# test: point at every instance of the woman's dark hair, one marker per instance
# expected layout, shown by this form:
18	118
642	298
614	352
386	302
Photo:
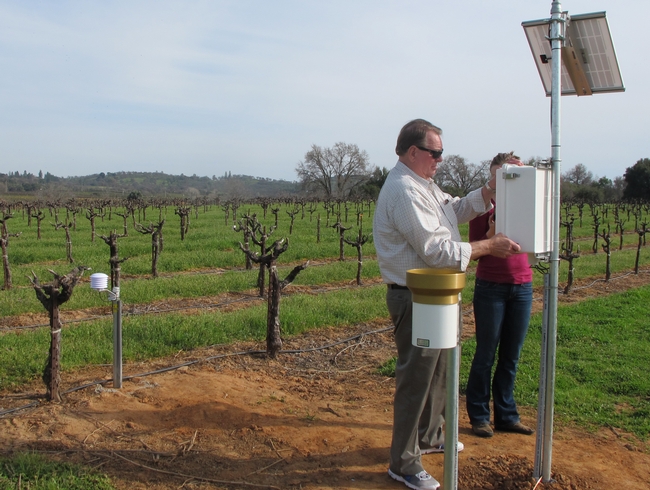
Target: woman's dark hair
502	158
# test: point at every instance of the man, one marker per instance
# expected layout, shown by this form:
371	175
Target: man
416	226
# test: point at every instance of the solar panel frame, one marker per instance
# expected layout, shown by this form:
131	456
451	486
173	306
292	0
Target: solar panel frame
591	38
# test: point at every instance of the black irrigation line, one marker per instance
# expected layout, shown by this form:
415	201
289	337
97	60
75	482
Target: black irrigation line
587	286
466	311
197	361
24	407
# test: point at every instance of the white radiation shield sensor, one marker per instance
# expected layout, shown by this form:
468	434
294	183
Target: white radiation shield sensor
99	281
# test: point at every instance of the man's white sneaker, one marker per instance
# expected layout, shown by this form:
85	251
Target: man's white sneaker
440	448
421	481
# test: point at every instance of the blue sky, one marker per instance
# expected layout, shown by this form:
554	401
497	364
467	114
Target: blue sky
209	87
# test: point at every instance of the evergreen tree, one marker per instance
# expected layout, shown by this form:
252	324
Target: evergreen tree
637	180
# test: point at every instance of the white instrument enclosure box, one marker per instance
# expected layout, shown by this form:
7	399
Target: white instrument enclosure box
524	207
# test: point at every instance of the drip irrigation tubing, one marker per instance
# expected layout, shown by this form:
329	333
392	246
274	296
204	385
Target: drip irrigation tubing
587	286
466	311
197	361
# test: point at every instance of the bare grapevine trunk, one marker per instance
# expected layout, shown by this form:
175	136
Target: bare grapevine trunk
273	338
51	297
5	265
52	373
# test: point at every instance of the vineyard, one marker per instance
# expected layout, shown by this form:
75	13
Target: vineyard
208	283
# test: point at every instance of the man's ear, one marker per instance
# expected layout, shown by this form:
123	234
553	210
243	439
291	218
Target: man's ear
410	153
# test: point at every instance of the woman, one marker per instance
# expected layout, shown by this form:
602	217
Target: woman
503	296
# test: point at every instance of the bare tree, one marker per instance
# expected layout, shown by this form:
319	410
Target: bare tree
264	249
620	225
92	215
226	211
4	243
568	253
578	175
114	260
72	208
125	217
254	231
275	212
51	296
341	229
273	338
68	239
292	214
642	231
456	176
156	242
596	227
39	216
335	171
607	248
184	213
358	244
318	229
246	227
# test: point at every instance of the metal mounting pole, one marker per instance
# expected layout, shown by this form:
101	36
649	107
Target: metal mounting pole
437	303
117	338
541	404
451	411
557	36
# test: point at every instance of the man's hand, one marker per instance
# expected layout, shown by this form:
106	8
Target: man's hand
501	246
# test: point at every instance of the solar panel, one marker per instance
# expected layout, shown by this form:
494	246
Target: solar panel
589	63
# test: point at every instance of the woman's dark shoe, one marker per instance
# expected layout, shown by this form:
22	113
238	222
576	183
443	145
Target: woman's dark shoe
482	430
517	427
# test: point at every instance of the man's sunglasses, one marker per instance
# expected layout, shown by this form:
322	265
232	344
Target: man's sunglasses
434	153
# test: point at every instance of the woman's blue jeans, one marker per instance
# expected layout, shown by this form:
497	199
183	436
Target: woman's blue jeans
502	314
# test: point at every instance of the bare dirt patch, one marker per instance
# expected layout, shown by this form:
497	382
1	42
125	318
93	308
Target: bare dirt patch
311	419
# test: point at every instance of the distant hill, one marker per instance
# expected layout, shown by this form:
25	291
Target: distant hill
121	184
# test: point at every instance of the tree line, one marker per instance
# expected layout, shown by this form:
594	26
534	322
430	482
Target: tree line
145	184
344	171
341	172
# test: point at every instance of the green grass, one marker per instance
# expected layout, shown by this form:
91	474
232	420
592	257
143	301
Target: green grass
601	365
32	471
210	244
208	262
143	289
22	356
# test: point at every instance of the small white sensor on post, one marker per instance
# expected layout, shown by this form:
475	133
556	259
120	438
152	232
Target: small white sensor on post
99	281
